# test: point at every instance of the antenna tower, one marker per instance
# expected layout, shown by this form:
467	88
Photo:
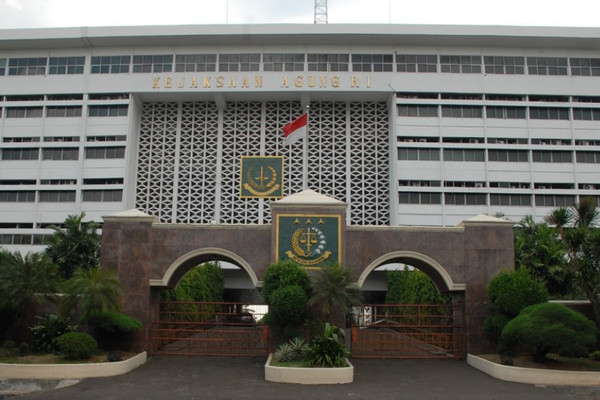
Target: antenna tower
320	11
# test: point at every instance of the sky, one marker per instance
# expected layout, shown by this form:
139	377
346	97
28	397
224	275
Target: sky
75	13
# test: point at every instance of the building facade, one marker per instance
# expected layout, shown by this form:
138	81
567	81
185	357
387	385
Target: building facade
409	125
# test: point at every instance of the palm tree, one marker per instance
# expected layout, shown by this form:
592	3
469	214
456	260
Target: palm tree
24	283
74	246
331	289
90	290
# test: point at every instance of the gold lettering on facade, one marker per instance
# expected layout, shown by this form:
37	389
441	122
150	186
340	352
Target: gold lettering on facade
323	81
232	82
181	83
298	81
194	84
368	81
207	81
335	81
155	83
354	82
258	81
311	81
220	81
245	82
168	83
285	83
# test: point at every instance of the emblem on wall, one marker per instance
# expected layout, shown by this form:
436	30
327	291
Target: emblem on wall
309	240
261	177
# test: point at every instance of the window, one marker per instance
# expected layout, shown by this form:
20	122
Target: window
109	138
505	97
27	66
328	62
588	157
508	155
60	154
17	196
417	111
239	62
549	113
546	66
461	96
586	114
554	200
110	64
549	98
63	111
504	65
418	183
26	97
58	181
372	62
20	154
471	184
24	112
462	111
153	63
467	155
419	154
27	139
17	182
585	66
472	140
117	110
510	185
63	97
416	62
66	65
108	96
505	112
57	196
419	198
103	181
556	142
511	200
103	195
587	142
104	152
557	156
461	64
61	139
8	239
196	63
2	66
463	199
283	62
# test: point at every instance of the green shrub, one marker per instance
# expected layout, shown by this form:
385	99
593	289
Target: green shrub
282	274
595	356
48	330
292	351
549	327
325	350
511	291
113	321
494	324
77	345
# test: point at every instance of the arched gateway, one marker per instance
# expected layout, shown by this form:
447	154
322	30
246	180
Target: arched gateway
460	260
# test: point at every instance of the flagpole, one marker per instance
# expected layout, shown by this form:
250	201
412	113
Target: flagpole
305	153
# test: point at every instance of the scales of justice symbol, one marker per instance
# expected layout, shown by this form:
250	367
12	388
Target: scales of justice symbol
308	245
262	184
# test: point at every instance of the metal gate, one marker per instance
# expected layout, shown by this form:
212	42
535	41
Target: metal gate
405	331
186	328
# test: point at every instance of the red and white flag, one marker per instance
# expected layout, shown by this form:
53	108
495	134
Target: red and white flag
295	130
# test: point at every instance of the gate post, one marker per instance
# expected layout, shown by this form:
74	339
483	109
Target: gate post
127	249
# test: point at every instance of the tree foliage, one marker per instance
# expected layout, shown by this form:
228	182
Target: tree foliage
75	246
408	286
542	328
540	250
204	282
95	289
331	289
284	273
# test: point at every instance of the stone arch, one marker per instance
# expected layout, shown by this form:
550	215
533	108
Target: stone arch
440	277
189	260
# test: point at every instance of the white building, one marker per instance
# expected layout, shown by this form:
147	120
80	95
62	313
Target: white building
411	125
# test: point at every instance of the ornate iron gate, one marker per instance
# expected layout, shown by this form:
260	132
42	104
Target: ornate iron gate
186	328
405	331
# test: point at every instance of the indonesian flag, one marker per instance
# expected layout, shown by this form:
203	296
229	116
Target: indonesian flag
295	130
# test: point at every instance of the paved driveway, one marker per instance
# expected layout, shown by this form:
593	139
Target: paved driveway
171	378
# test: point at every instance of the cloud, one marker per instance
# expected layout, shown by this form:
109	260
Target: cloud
14	4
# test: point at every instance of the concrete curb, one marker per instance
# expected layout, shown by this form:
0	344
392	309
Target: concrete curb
309	376
534	376
71	371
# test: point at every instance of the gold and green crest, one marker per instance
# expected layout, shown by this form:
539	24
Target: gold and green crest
310	240
261	177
